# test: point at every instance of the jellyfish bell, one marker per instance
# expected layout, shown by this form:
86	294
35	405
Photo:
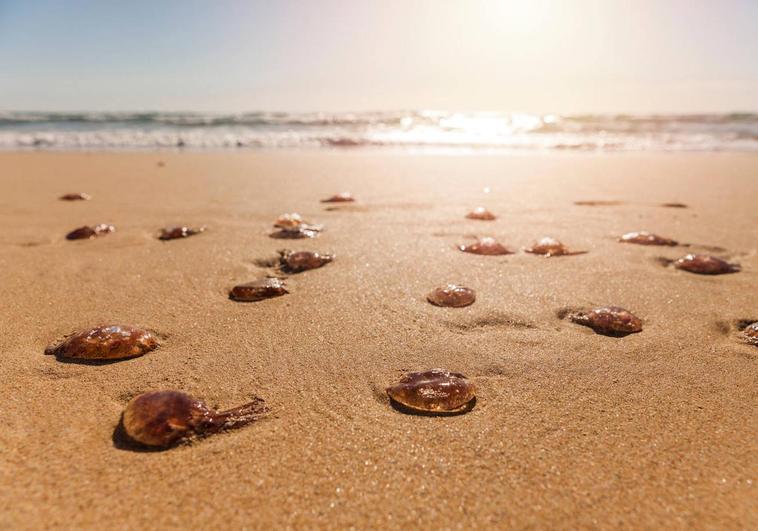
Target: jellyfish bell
646	238
109	342
452	296
485	246
342	197
296	262
750	333
482	214
703	264
609	320
173	233
78	196
258	290
548	247
87	232
433	392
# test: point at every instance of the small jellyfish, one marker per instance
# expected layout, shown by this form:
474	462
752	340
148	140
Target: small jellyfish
173	233
293	227
87	233
452	296
163	418
646	238
295	262
550	247
342	197
750	333
703	264
485	246
482	214
433	392
609	320
674	205
294	234
110	342
289	221
80	196
258	290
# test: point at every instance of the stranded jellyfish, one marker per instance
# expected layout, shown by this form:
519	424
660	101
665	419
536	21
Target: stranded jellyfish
258	290
293	226
80	196
674	205
111	342
646	238
550	247
704	264
482	214
433	392
452	296
173	233
342	197
486	246
609	320
751	333
87	233
162	418
295	262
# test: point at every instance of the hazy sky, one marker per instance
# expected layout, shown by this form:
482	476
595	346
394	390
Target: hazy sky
530	55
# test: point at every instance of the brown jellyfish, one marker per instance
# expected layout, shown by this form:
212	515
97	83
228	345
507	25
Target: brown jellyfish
294	234
704	264
163	418
293	226
646	238
609	320
109	342
485	246
452	296
289	221
550	247
173	233
87	233
79	196
750	333
342	197
295	262
258	290
674	205
433	392
482	214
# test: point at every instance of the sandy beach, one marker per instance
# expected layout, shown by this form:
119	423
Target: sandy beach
571	429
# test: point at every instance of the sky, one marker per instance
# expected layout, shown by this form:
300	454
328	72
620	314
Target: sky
567	56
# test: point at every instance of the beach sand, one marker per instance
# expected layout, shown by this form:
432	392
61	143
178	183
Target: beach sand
571	429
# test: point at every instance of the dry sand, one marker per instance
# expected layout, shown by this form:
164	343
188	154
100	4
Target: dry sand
572	429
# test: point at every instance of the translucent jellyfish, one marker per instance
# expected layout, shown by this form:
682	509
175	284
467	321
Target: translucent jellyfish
173	233
550	247
109	342
452	296
293	226
87	233
295	262
258	290
163	418
609	320
703	264
674	205
482	214
750	333
433	392
342	197
485	246
79	196
294	234
646	238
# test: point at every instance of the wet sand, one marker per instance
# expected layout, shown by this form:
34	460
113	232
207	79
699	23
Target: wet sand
571	429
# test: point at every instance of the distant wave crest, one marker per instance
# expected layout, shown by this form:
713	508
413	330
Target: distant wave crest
411	129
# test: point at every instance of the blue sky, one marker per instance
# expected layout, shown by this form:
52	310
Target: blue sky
538	55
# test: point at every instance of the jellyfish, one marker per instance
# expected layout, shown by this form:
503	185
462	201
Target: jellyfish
609	320
703	264
485	246
108	342
173	233
452	296
750	333
87	233
342	197
258	290
482	214
433	392
295	262
163	418
79	196
550	247
646	238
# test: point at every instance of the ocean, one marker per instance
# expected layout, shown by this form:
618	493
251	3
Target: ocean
412	130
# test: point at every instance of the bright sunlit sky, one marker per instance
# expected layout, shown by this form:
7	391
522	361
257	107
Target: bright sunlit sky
530	55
